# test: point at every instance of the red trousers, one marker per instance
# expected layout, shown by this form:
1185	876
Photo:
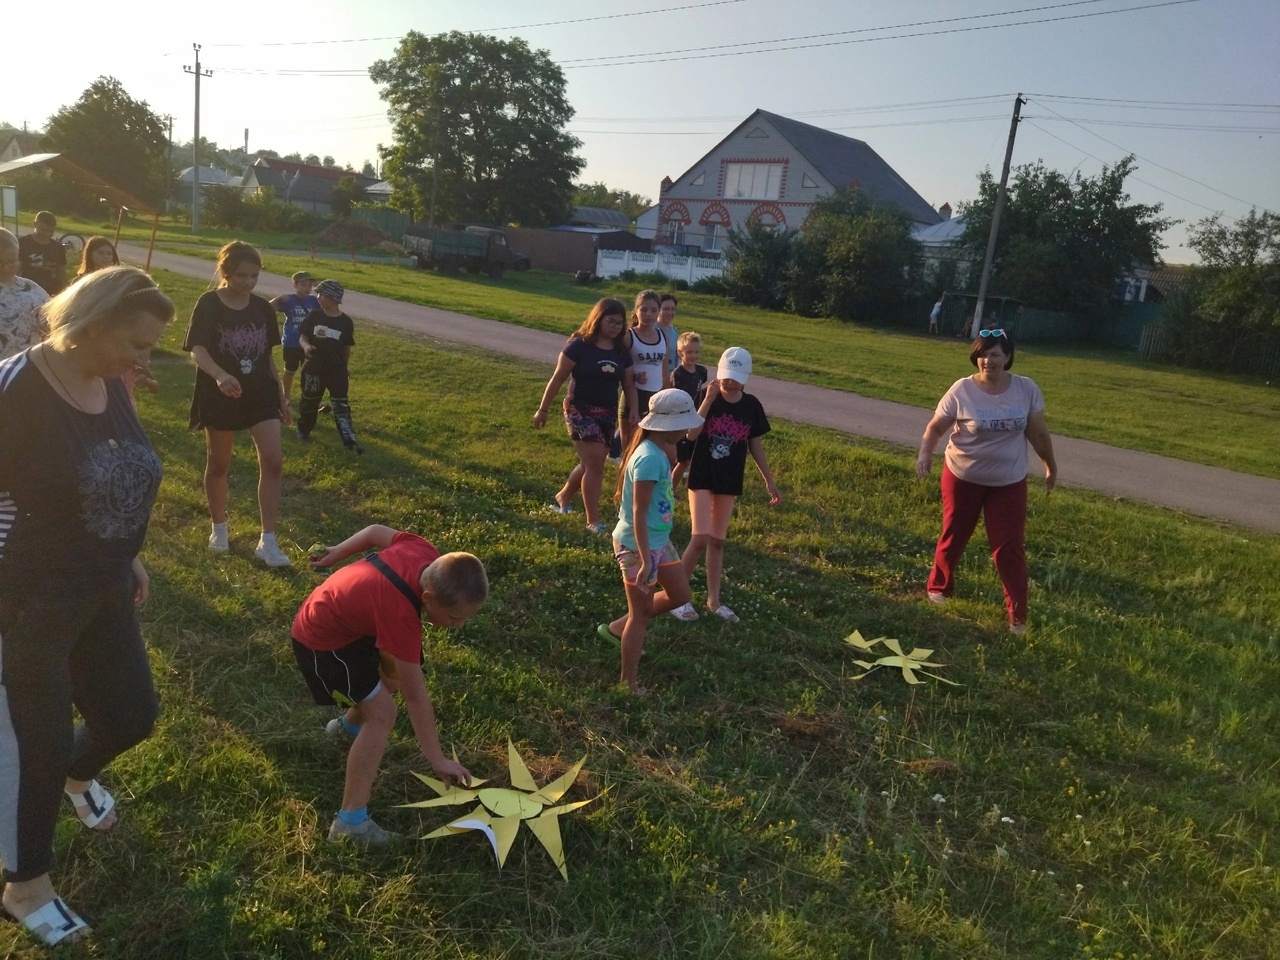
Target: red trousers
1004	510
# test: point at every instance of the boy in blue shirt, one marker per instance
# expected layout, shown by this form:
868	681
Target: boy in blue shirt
295	307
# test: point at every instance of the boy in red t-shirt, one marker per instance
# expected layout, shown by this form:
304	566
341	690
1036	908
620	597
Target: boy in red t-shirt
358	639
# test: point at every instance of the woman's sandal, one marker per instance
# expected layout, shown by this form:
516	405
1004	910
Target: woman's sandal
686	613
724	613
54	923
93	806
555	506
606	634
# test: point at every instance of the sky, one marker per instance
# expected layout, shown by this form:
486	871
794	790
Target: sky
1190	86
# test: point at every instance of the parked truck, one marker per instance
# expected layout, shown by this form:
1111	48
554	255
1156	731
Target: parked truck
475	249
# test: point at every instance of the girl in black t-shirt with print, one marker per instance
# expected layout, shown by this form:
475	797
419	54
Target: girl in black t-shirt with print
596	361
733	423
231	336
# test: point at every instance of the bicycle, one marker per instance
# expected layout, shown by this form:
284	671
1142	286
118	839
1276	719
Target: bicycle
73	243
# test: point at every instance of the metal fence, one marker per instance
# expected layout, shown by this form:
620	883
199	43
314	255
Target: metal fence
1250	355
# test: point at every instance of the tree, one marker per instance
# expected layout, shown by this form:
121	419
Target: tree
311	159
600	195
488	115
346	194
760	261
368	170
109	133
1064	240
1240	281
855	259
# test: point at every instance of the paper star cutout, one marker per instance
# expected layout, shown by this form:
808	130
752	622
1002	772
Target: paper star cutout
502	809
908	663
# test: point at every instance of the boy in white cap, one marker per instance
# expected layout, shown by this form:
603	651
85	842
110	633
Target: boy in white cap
733	423
326	337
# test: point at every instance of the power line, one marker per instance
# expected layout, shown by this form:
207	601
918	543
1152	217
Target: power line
861	126
910	105
845	33
1170	103
1136	179
1152	162
896	36
518	26
1208	127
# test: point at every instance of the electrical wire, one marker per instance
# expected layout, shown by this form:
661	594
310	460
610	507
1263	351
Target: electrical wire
1199	183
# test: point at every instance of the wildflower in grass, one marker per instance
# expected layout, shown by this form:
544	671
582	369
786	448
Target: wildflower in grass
1006	819
939	798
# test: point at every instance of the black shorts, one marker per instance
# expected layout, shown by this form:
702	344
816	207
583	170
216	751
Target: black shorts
684	450
345	676
293	357
642	398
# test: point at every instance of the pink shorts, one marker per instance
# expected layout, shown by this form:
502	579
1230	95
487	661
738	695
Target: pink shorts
709	513
629	560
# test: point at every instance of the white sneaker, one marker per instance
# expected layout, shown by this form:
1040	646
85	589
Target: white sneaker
218	540
269	552
367	834
935	597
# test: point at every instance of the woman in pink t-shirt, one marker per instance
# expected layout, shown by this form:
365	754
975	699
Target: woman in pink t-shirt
991	416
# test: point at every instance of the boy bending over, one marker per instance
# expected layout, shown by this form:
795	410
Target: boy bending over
358	639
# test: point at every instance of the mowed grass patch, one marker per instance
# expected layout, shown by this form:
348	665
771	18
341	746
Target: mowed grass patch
1103	786
1093	392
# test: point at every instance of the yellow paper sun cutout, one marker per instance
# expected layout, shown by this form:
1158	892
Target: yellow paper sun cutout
503	809
908	663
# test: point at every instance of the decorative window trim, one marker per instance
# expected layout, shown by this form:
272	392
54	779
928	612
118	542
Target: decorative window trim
675	212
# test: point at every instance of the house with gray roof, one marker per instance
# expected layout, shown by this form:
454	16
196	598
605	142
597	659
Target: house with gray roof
300	184
771	170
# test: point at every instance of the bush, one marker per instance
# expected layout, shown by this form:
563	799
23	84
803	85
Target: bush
223	207
759	262
715	285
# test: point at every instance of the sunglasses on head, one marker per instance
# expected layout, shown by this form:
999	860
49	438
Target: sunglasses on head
984	334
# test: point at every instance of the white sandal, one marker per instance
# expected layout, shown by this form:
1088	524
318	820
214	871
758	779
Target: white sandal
54	922
724	613
686	613
92	806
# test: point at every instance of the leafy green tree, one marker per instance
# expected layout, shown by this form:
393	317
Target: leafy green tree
600	195
311	159
1240	277
346	194
223	206
115	136
1064	240
760	261
368	171
489	116
855	259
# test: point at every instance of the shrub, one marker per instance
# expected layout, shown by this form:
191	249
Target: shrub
715	285
759	261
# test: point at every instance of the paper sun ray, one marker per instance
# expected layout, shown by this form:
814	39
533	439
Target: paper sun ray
909	663
501	809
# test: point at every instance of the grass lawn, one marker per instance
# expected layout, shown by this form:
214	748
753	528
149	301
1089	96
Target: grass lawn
1104	786
1094	392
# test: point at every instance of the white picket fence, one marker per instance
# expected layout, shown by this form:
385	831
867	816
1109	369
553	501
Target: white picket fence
610	263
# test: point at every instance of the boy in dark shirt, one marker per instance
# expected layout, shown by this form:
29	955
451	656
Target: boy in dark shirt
327	336
43	259
689	376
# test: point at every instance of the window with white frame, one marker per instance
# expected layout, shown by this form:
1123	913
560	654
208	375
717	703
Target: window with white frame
713	238
752	181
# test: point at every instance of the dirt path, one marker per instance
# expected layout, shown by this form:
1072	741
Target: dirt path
1205	491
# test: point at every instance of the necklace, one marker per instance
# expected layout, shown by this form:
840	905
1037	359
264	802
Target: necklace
67	393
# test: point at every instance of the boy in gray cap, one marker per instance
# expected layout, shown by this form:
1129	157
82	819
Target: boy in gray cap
326	337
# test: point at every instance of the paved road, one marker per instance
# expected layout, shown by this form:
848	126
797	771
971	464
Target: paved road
1205	491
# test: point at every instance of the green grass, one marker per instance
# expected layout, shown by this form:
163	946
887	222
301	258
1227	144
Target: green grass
1093	392
763	805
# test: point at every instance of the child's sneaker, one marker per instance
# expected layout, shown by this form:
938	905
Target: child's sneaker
219	542
269	552
336	728
366	834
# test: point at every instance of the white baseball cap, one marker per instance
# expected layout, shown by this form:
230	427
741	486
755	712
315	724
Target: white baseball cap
735	364
671	409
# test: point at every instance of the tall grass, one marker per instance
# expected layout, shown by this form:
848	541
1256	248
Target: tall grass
1104	786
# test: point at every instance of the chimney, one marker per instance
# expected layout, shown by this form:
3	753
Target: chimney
666	185
944	211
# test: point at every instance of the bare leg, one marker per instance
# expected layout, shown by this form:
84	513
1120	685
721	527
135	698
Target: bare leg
639	612
24	898
266	438
591	458
693	553
715	570
286	381
218	445
377	716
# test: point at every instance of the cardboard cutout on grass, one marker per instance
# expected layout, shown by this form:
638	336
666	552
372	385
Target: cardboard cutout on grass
503	809
909	663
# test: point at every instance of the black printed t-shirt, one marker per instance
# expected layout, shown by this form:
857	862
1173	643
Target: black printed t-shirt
240	342
78	487
720	453
331	336
596	375
45	263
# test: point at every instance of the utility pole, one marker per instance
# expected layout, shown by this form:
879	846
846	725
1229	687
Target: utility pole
168	166
195	144
1018	101
246	144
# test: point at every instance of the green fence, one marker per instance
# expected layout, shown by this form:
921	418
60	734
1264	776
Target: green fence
392	222
1120	326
